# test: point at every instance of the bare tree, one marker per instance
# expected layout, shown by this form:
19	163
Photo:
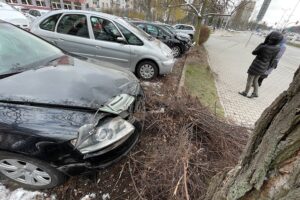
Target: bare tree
202	9
270	166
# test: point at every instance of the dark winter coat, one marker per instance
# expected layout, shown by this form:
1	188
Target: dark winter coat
265	54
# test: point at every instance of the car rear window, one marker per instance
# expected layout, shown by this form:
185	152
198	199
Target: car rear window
50	23
188	28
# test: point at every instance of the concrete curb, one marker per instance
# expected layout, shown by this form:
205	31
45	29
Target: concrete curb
182	78
218	92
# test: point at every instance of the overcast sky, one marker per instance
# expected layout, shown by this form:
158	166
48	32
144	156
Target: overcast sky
279	11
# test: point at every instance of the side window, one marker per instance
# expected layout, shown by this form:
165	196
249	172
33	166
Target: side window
38	14
161	32
74	24
31	12
130	37
188	28
152	30
142	27
50	23
104	30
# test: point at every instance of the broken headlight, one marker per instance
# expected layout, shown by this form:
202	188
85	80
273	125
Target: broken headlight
110	132
118	104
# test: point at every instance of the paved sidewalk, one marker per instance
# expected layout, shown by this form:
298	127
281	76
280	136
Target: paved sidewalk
230	60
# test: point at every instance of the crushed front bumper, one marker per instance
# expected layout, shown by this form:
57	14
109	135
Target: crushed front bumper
97	160
94	161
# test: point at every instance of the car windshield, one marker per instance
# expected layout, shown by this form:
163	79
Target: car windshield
171	28
167	30
21	51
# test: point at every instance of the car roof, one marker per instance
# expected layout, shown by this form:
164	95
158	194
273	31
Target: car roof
184	25
85	12
145	22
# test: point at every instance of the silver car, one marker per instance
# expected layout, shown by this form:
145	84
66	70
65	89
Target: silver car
185	28
107	38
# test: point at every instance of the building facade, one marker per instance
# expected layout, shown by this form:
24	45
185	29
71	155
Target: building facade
48	4
263	10
240	18
74	4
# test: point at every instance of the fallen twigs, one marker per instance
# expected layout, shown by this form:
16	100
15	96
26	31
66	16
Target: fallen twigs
190	145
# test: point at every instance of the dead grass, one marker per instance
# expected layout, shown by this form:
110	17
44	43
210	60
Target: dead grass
200	82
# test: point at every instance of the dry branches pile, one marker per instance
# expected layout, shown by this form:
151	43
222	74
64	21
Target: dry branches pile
188	145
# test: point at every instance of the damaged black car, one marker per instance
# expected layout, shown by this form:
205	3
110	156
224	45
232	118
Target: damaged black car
61	115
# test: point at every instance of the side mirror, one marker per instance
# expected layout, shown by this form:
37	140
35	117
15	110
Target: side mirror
121	40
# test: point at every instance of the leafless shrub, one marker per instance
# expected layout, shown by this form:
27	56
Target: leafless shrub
204	34
191	146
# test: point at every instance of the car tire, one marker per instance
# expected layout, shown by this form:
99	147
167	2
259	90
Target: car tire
28	172
147	70
176	50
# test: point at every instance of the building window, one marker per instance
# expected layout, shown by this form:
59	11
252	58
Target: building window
27	2
11	1
40	3
67	6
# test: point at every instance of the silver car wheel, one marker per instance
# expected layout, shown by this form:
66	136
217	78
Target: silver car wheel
147	71
176	51
24	172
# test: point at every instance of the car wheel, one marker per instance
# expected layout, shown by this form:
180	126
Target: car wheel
28	172
176	51
147	70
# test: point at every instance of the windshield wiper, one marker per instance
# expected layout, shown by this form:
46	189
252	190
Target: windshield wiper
9	74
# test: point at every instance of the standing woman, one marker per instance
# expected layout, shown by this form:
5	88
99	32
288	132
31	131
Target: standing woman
265	54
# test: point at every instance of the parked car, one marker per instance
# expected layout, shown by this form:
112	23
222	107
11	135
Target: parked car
11	15
178	46
185	28
173	30
33	14
180	36
21	9
61	115
106	38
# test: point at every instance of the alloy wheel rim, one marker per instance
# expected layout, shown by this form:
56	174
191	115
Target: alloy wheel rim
147	71
176	51
24	172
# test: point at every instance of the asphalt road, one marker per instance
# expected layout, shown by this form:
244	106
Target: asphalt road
230	59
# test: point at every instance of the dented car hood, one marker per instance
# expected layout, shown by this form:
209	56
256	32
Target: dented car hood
69	81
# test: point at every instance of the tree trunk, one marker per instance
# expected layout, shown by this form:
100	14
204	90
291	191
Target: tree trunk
270	166
199	22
